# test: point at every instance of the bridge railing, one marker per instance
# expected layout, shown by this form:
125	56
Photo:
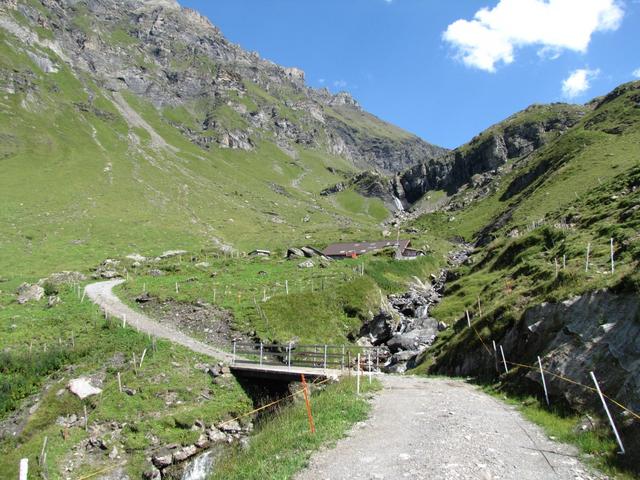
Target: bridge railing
338	357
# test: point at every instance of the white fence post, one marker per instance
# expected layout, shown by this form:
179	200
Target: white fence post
613	265
358	376
369	362
261	352
544	383
586	267
468	318
24	468
504	360
289	355
325	357
606	409
233	359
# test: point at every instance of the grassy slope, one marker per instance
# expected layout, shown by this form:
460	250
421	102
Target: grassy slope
324	305
102	348
287	439
593	186
95	191
589	185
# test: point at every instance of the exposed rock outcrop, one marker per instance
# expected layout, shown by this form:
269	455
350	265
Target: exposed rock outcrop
514	138
174	57
597	332
29	293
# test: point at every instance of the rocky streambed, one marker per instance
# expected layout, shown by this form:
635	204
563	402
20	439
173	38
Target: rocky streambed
403	328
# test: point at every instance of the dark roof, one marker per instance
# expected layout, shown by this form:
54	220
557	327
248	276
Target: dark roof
343	249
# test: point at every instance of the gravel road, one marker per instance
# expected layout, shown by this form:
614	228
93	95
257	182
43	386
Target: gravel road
101	294
428	428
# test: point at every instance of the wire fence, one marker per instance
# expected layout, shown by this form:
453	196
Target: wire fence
493	352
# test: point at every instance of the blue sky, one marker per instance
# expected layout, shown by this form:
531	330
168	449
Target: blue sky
444	70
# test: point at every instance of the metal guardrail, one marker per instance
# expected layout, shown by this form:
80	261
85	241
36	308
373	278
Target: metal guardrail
311	356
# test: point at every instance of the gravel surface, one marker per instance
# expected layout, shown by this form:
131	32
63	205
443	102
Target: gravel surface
429	428
101	293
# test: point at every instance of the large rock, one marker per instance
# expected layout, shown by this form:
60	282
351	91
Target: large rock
63	278
185	453
82	388
172	253
293	252
162	460
29	293
412	340
379	329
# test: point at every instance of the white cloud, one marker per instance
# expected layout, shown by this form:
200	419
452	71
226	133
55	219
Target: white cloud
340	84
321	81
578	82
493	35
636	73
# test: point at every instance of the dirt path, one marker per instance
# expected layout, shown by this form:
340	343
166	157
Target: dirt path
101	294
444	429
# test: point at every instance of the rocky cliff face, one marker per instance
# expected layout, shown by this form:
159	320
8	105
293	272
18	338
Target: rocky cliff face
598	332
489	152
176	59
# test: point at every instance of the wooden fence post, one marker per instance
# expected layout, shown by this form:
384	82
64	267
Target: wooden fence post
305	391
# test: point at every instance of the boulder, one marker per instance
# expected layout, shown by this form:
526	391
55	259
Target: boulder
63	278
202	442
412	340
162	461
53	300
172	253
143	298
400	361
215	371
29	293
136	257
308	252
82	388
379	329
294	252
156	273
152	474
216	435
109	274
232	426
307	264
184	453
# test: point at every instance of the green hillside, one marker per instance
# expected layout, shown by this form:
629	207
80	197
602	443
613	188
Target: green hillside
80	184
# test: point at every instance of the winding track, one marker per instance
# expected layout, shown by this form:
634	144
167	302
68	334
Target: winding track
101	293
443	429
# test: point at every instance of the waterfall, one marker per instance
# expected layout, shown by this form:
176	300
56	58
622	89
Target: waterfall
398	204
200	467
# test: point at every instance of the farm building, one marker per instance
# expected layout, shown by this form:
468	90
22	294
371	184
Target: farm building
353	250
